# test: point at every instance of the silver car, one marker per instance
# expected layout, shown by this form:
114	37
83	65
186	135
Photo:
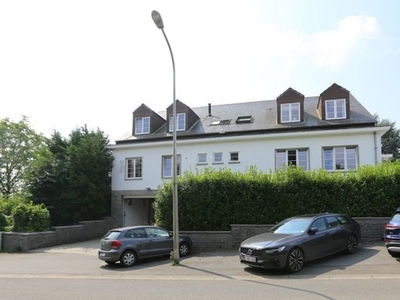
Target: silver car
129	244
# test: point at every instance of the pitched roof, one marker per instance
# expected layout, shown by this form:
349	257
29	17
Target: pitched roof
263	119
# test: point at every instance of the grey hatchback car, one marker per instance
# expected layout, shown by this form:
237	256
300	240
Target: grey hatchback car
129	244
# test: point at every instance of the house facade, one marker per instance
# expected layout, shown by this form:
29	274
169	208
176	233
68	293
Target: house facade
332	131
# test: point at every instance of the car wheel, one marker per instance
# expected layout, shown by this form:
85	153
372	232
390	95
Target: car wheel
295	260
183	249
351	244
128	258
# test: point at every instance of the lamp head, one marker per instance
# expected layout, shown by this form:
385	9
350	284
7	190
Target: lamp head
157	19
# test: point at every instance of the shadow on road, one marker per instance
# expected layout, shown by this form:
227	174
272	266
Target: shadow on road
321	266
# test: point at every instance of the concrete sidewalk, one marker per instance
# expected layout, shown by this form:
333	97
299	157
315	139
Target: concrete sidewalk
371	261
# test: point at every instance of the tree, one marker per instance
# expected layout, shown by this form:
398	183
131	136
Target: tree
75	182
391	139
90	164
49	182
20	146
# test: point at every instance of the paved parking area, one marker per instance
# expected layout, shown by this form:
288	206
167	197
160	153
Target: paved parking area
80	259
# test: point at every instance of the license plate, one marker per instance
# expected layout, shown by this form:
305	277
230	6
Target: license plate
102	254
249	258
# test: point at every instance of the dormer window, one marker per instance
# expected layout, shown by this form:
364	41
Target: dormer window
142	125
180	122
290	112
335	109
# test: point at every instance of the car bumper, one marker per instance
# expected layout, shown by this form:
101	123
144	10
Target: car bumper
393	246
108	256
277	261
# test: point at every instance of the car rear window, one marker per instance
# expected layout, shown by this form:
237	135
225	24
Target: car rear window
343	219
112	235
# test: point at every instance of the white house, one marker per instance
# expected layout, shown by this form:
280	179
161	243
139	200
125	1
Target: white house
332	131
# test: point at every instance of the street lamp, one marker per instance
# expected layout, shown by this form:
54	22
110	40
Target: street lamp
175	219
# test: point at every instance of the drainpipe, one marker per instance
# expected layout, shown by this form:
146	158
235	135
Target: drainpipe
376	148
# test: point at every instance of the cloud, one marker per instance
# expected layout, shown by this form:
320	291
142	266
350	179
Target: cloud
326	50
332	49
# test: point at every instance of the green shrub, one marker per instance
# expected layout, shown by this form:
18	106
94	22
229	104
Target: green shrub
28	217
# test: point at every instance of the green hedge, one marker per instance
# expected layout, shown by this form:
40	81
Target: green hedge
214	199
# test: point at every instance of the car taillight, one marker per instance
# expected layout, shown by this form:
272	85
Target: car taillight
390	226
116	244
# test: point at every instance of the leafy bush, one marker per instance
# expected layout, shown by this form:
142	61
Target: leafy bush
214	199
28	217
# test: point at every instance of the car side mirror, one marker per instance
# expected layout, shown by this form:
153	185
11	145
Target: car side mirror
170	234
313	230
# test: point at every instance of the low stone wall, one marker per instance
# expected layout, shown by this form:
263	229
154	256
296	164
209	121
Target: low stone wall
88	230
209	240
372	229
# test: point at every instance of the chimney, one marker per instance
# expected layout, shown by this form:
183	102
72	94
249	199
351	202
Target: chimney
209	110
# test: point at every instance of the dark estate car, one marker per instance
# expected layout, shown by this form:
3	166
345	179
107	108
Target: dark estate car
128	244
298	239
392	235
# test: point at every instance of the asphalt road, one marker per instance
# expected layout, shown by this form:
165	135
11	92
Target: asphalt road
74	272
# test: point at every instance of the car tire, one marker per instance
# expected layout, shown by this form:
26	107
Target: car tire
351	244
394	254
295	260
184	249
128	258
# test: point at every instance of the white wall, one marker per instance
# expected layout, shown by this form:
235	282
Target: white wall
255	150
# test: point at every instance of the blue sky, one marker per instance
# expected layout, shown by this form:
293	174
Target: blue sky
64	64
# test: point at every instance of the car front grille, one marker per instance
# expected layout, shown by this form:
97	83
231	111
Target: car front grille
250	251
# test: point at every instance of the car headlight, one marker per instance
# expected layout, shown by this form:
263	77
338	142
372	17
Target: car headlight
274	250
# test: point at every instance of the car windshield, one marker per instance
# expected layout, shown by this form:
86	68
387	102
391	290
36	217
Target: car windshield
396	217
292	226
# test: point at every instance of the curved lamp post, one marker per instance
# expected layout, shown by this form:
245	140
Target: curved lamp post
160	25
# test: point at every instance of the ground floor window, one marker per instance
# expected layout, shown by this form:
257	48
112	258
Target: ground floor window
167	166
340	158
292	157
134	168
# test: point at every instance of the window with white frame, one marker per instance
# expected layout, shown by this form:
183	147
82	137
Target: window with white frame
134	168
142	125
180	122
290	112
234	157
292	157
202	158
335	109
340	158
217	157
167	166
